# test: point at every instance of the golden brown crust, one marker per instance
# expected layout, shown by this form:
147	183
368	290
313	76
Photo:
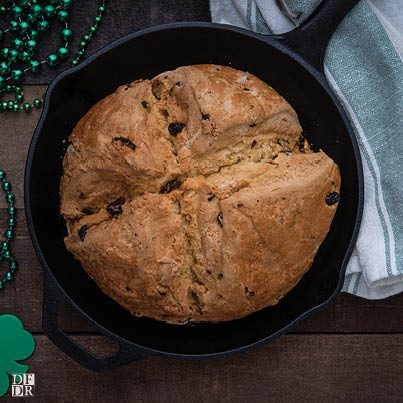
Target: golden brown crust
187	197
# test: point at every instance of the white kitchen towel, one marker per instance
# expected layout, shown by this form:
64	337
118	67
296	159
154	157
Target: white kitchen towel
364	66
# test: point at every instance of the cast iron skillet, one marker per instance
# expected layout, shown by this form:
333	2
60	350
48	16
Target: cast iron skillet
293	65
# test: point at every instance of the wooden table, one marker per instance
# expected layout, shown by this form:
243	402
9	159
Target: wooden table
352	351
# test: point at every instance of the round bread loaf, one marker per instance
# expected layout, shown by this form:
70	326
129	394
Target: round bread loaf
193	196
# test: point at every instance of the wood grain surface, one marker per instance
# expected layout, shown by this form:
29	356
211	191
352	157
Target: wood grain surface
122	18
350	352
294	368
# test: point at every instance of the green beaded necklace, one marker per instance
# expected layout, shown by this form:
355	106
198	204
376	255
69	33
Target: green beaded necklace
5	250
30	20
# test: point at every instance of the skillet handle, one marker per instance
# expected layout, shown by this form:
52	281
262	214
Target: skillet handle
311	38
52	300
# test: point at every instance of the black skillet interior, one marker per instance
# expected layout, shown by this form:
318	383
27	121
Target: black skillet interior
144	56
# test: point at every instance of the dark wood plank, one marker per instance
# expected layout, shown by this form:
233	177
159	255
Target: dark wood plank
348	315
121	19
15	137
311	368
351	314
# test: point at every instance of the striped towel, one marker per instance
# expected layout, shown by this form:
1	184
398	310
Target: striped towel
364	66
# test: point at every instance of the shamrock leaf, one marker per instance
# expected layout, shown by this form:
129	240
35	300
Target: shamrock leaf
15	344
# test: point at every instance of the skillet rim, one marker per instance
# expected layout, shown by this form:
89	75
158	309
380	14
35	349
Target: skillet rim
270	40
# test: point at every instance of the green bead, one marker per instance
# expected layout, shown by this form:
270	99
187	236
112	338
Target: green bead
24	27
62	16
86	38
13	26
17	43
4	105
5	53
80	53
1	34
66	34
2	81
4	246
43	26
37	10
93	29
101	9
83	44
18	89
37	103
52	60
9	276
11	210
10	105
25	56
13	55
49	11
4	68
65	4
16	108
6	186
31	45
33	34
8	234
11	222
13	265
17	75
10	198
9	88
31	19
26	107
74	63
19	98
1	284
97	20
3	10
63	53
7	255
34	66
2	174
24	3
16	11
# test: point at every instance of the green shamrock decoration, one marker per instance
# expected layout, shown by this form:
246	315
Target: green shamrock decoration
15	344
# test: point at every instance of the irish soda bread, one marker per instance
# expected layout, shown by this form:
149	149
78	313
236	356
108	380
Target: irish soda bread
193	197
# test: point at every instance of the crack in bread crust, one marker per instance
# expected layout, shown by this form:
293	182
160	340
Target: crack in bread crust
235	138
